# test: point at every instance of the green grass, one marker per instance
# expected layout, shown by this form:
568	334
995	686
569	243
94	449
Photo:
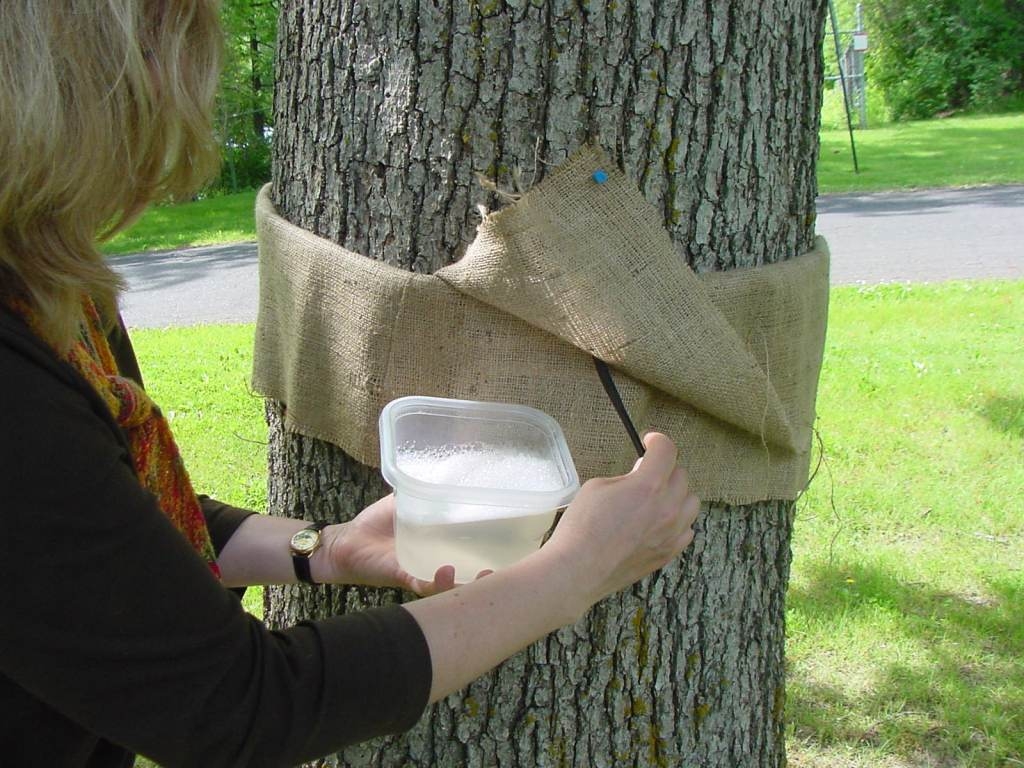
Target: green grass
223	219
906	608
200	377
953	152
833	112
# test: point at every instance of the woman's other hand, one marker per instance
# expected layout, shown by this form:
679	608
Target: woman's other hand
362	551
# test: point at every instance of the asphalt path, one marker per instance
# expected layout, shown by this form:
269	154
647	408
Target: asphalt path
926	236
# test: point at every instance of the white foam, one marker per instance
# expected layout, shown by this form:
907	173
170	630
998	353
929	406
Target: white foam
479	465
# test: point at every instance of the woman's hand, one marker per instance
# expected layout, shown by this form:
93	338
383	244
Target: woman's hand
362	551
619	529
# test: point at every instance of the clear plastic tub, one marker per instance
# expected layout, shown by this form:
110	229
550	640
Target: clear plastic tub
477	485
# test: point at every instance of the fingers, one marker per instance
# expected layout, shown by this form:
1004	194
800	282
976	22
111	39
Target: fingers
678	487
691	509
678	483
685	540
689	505
660	458
444	578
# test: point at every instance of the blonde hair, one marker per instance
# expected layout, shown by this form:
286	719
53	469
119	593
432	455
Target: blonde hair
105	106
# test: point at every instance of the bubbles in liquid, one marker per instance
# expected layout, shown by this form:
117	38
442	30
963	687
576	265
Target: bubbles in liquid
481	465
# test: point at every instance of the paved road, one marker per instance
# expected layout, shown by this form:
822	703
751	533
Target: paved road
925	236
215	284
894	236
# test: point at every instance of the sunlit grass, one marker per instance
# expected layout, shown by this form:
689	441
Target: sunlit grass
906	608
223	219
200	377
951	152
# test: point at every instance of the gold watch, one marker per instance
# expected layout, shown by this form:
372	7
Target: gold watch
303	544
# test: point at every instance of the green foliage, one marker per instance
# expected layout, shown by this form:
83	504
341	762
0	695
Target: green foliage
833	112
244	102
935	56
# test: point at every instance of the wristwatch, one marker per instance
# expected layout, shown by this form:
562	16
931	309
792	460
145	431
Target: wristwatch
303	544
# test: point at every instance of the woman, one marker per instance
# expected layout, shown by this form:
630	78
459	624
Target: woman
119	632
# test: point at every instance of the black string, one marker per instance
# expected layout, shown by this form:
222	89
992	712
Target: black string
620	408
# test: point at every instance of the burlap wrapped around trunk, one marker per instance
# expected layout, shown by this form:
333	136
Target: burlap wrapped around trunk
726	363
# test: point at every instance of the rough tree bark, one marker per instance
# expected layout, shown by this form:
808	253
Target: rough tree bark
385	115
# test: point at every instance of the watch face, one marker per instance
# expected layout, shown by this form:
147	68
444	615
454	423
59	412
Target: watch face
305	541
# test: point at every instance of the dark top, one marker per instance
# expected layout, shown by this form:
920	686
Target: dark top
116	638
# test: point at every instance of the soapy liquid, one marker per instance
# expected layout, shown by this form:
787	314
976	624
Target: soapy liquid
472	537
471	547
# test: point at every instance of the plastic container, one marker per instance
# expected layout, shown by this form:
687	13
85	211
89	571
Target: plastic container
477	485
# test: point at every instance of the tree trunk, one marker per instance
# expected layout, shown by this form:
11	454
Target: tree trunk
385	115
259	118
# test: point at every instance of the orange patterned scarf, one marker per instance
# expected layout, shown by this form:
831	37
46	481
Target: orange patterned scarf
154	453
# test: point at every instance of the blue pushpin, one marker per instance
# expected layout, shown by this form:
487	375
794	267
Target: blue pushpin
600	176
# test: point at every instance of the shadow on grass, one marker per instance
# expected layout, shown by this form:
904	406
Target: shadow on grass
1006	414
957	700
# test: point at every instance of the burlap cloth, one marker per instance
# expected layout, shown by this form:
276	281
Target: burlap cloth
726	363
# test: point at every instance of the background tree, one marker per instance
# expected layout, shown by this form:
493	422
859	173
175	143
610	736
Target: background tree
244	102
385	115
934	56
931	58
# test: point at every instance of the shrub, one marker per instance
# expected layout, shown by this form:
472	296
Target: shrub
933	56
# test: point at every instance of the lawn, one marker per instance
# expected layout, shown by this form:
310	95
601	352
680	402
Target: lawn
906	607
952	152
222	219
200	376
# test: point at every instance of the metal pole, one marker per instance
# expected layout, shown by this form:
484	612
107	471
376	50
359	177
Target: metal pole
862	78
842	80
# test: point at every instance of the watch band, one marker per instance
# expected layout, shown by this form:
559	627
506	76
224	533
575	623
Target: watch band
300	560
